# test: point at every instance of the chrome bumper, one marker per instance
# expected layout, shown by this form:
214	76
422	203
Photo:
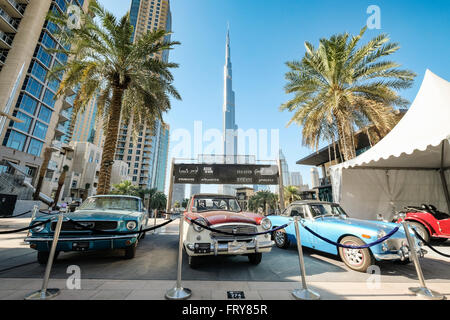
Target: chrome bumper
218	248
62	239
402	254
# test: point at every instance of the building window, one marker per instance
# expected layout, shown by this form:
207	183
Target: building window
27	104
15	140
44	57
25	125
40	130
38	71
49	98
35	147
33	87
45	114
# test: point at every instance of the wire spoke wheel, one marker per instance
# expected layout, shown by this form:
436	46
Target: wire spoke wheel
356	259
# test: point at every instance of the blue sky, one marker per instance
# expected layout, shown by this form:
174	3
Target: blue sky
266	34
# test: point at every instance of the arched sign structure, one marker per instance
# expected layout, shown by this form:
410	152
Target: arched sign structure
225	174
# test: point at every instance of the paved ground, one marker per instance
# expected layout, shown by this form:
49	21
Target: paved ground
106	275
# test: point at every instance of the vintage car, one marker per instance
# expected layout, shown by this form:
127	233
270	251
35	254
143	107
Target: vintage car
331	222
110	213
430	223
223	213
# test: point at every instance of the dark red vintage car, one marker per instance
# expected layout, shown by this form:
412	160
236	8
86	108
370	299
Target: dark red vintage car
222	212
430	223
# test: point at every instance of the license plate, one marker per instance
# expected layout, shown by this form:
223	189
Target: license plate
80	246
202	248
237	247
236	295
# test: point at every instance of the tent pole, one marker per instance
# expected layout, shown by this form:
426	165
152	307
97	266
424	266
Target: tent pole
443	180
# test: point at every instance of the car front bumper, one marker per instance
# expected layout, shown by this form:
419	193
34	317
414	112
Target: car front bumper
228	248
82	243
402	254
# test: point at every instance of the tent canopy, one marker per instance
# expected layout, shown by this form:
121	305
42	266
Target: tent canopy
407	167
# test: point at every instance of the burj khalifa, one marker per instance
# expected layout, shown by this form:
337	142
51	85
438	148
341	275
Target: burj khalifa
229	117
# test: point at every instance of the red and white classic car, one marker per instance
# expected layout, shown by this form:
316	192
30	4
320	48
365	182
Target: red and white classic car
223	213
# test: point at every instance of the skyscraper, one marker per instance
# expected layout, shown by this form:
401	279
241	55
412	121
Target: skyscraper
284	169
314	178
229	114
25	92
229	117
147	155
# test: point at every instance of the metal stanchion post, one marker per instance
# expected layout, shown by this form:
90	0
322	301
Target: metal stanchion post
179	293
45	293
33	215
155	212
422	291
304	293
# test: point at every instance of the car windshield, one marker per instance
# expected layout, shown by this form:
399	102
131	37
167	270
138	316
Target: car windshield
211	204
325	209
113	203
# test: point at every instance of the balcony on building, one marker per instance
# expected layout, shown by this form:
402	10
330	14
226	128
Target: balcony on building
64	116
5	40
68	102
146	155
60	130
13	8
8	24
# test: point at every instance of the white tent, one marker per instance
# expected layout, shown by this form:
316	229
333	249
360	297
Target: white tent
409	166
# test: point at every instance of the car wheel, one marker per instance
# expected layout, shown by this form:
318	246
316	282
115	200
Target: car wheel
255	258
355	259
130	252
421	230
193	262
281	239
42	257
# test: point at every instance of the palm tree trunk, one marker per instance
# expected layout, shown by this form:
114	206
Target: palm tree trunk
109	149
61	180
42	171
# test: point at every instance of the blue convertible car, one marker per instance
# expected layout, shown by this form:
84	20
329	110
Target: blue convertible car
112	213
331	222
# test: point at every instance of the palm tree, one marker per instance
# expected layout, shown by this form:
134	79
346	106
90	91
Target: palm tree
158	201
124	188
130	82
339	87
291	194
61	180
264	200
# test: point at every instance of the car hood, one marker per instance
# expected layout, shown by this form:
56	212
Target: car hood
372	225
217	217
100	215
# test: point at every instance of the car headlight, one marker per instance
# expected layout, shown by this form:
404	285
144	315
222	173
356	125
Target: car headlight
131	225
266	224
201	221
381	234
38	228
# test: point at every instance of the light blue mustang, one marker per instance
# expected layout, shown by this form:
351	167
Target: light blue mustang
113	213
331	222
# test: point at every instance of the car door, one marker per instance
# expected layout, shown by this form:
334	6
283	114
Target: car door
444	226
300	211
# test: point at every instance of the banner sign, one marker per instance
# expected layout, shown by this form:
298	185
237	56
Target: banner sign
226	174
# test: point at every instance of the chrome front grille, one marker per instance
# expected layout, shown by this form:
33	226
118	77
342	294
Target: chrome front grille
235	228
99	225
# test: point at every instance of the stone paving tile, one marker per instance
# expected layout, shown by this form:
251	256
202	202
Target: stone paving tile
110	294
75	295
146	295
122	284
13	294
275	295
